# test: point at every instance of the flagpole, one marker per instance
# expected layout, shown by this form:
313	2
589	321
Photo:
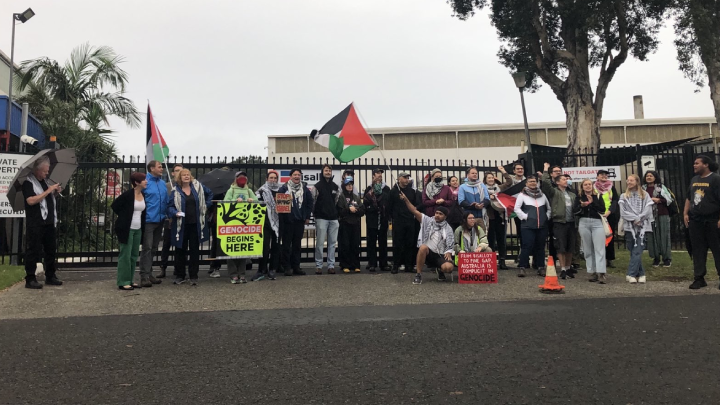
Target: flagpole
162	151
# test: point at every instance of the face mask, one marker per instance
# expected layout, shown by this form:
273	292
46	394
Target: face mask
438	180
241	181
569	183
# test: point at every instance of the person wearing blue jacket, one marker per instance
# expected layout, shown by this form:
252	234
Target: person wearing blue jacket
156	200
187	207
473	196
292	224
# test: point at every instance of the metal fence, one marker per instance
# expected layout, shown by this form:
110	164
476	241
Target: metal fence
85	228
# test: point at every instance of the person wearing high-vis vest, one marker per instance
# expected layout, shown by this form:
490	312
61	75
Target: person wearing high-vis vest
609	196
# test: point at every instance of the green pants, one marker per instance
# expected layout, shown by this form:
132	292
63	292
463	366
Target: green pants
128	258
659	239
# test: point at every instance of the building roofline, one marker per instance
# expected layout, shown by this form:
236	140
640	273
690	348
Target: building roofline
520	126
5	58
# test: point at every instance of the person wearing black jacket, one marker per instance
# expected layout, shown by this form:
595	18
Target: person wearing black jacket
403	224
130	210
375	200
292	224
351	210
326	219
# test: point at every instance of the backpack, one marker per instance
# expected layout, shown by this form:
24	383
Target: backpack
673	207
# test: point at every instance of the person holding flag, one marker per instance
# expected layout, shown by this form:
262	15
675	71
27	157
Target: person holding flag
156	201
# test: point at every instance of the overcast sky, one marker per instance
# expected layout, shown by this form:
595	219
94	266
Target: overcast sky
222	75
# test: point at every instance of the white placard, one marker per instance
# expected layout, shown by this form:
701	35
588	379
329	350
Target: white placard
580	173
9	165
648	163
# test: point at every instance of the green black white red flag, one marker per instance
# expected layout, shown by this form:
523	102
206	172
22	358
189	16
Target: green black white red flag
157	149
344	136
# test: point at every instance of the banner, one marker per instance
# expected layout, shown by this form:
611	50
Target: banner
580	173
477	268
240	230
9	165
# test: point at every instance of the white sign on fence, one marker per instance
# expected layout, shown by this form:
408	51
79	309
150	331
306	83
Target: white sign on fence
9	165
648	163
580	173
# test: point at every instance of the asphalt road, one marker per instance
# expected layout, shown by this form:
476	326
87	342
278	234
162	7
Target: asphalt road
661	350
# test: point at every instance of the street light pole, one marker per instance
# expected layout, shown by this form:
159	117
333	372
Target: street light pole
22	17
520	79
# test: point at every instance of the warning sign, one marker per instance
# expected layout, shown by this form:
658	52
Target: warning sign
9	166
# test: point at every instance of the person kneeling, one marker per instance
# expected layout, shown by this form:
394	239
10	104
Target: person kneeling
469	237
436	241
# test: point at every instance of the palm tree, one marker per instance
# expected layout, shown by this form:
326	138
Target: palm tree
85	91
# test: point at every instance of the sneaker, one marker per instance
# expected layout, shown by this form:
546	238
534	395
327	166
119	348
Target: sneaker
178	281
418	279
242	280
394	270
258	276
521	273
627	278
603	278
502	265
386	268
633	280
154	280
402	267
610	264
698	284
641	280
193	281
346	270
563	274
594	277
667	263
371	269
271	275
331	270
296	272
541	272
357	270
215	273
145	282
33	284
571	273
236	280
440	275
288	273
656	262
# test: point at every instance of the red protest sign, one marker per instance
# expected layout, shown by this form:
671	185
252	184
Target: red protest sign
477	268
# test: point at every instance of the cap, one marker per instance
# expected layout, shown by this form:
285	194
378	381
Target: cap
603	171
378	170
348	180
442	209
349	171
241	172
404	174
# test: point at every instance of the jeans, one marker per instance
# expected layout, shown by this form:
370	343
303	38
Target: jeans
635	268
704	235
533	241
151	240
377	238
497	236
350	246
592	236
325	229
190	243
40	239
128	258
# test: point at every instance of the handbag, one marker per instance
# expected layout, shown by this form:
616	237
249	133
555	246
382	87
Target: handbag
606	226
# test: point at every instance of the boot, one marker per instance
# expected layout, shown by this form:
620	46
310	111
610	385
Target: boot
162	272
502	265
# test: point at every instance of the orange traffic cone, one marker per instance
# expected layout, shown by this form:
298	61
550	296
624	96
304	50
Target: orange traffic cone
551	285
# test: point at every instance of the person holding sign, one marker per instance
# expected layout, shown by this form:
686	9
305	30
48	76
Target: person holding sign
350	210
436	241
239	190
271	229
533	209
469	237
188	206
292	224
130	210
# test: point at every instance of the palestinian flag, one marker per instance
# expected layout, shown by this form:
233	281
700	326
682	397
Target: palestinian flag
506	199
344	136
157	149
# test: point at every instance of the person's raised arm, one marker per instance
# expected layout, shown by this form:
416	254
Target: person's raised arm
418	215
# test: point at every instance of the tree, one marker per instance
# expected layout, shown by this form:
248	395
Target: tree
697	28
560	41
74	101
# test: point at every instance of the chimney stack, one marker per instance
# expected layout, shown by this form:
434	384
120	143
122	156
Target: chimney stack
638	107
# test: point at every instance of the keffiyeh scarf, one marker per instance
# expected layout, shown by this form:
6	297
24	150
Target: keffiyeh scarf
266	194
37	188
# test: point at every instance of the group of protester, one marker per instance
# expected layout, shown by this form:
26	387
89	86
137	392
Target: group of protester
429	227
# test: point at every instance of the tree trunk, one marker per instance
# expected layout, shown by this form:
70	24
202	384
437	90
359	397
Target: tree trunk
713	72
583	126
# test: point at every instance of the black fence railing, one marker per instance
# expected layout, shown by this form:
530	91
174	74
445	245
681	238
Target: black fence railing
85	228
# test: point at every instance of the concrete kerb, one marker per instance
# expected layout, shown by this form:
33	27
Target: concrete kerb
93	293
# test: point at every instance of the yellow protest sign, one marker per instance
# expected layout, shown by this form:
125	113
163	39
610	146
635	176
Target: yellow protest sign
240	230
